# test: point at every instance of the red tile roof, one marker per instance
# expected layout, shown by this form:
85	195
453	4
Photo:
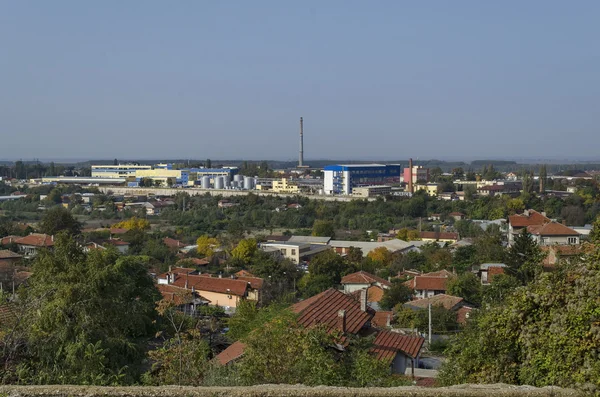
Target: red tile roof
244	273
174	294
117	230
324	307
6	313
462	314
387	344
212	284
551	229
232	353
439	235
363	277
6	254
381	319
374	293
523	220
447	301
36	240
439	273
456	214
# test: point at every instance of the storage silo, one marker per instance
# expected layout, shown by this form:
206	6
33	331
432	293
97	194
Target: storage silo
248	183
238	178
206	182
227	181
219	182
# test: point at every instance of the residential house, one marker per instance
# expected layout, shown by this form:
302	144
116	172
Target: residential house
343	314
294	251
216	291
499	190
120	245
173	244
445	237
382	319
487	271
556	254
10	257
458	216
30	245
187	301
518	222
429	284
554	233
92	246
448	302
255	284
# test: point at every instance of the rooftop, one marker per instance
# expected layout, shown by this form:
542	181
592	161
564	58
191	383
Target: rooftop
363	277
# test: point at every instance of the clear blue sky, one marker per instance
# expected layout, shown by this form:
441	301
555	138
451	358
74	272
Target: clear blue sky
230	79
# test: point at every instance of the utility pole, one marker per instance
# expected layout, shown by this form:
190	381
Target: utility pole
430	324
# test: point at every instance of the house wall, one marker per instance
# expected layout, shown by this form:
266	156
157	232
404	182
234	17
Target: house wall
218	299
551	240
349	288
400	364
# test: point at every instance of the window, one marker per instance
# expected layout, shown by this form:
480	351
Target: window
283	251
293	251
572	240
545	240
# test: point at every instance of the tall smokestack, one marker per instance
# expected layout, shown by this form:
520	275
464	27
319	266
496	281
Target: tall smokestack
410	176
301	156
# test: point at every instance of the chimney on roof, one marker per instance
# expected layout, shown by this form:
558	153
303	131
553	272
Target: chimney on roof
363	300
342	320
388	322
186	281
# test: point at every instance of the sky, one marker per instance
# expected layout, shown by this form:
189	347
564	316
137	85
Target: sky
230	79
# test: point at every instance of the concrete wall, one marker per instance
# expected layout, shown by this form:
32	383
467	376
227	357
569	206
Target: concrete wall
285	391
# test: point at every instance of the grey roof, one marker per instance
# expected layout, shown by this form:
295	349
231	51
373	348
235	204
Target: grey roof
488	265
309	240
368	246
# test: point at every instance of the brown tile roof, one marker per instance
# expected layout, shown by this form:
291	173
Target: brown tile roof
381	319
254	282
494	271
9	240
324	307
462	313
426	382
456	214
36	240
212	284
198	261
523	220
6	254
374	293
172	243
387	344
363	277
428	283
174	294
232	353
6	314
439	273
551	229
447	301
118	230
244	273
439	235
21	277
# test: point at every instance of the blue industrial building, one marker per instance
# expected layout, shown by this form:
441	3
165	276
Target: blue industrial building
341	178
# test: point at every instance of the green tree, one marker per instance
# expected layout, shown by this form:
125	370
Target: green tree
323	228
467	286
91	316
544	334
245	250
501	286
398	293
442	320
59	219
525	257
207	245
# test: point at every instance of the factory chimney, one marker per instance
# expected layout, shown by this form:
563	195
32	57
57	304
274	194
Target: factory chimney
301	156
410	176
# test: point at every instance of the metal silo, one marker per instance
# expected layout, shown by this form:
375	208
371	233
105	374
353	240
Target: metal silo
219	182
238	178
227	180
248	183
206	182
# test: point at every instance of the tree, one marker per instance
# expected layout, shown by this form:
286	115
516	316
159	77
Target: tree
59	219
245	250
544	334
501	286
92	316
525	257
467	286
354	255
408	235
543	178
207	245
442	320
133	223
323	228
381	255
208	163
396	294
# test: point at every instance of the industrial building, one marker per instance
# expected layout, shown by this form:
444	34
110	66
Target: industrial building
180	177
372	191
117	171
419	174
342	178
